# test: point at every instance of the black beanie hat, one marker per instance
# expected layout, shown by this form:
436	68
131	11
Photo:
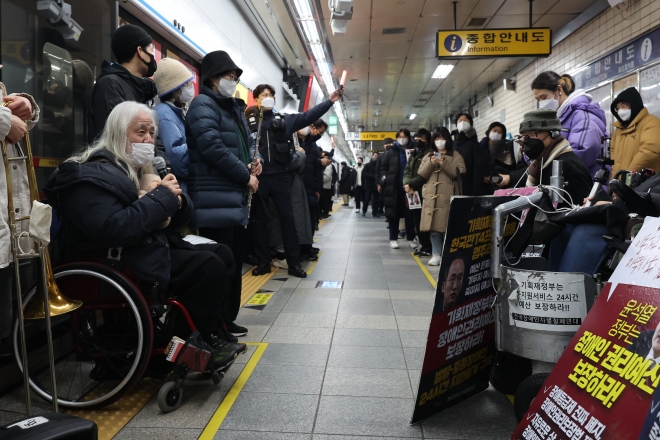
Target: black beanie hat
218	62
496	124
632	97
127	39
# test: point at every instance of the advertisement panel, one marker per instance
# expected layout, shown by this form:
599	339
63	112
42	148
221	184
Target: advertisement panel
604	385
460	345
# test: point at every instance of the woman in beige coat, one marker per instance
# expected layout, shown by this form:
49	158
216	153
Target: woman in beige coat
440	174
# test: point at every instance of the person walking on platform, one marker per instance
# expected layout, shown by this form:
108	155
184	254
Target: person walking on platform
128	80
345	183
496	131
439	171
391	172
359	189
583	119
467	145
413	182
276	148
369	185
219	174
175	89
636	140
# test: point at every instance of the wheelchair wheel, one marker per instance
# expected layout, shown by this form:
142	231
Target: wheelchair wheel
168	399
102	349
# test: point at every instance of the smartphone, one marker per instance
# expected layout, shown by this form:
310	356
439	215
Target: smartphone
438	154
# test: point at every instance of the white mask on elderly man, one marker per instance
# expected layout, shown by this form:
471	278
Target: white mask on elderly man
142	154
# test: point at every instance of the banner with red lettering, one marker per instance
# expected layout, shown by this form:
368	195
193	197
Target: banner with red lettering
460	345
604	385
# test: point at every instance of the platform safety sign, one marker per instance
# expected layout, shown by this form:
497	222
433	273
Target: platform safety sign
491	43
605	385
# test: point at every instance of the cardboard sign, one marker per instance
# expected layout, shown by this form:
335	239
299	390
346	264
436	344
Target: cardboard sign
460	345
493	43
604	386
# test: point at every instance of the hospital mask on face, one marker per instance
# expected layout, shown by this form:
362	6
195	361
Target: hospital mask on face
187	93
494	136
268	103
624	114
462	126
440	144
403	141
227	88
549	104
142	154
533	148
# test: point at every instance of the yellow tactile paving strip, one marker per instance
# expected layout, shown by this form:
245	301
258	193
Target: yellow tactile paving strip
252	284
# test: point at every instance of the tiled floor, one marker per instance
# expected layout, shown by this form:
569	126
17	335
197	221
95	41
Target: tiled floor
341	363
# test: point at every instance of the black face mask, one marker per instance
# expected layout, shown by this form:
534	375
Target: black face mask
533	148
151	65
359	164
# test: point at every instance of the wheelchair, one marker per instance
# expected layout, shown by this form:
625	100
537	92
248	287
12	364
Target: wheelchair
105	347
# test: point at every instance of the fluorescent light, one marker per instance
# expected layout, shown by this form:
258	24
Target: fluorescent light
317	51
309	28
412	116
442	71
303	9
324	68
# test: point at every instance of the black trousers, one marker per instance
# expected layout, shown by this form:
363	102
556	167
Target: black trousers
234	238
258	229
424	237
326	200
201	280
368	196
358	193
278	188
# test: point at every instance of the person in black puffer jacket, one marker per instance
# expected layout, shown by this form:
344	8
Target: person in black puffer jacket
96	193
484	161
467	145
370	188
220	151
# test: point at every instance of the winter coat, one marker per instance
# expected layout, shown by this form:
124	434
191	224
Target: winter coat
101	211
115	85
635	144
468	147
217	173
312	174
327	177
172	132
440	186
369	175
586	124
483	167
392	180
345	181
411	175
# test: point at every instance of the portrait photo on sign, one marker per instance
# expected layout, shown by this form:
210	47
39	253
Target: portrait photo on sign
414	201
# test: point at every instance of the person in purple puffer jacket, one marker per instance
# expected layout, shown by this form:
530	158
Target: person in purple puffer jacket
584	120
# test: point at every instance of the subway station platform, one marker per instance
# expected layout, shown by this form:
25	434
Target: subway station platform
323	363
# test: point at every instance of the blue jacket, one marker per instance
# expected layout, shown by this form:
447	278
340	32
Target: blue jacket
217	173
172	131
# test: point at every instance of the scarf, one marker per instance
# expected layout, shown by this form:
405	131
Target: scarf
558	147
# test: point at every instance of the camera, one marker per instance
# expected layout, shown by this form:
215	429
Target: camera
495	179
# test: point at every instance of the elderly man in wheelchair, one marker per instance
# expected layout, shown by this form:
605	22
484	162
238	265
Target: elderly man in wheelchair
140	282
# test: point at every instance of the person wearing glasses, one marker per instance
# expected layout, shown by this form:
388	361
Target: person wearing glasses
543	143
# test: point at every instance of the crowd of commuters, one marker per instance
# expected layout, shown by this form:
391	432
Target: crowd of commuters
258	196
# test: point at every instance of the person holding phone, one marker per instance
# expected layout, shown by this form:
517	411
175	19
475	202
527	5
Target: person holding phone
440	168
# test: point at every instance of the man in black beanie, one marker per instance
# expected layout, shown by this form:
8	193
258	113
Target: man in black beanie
127	80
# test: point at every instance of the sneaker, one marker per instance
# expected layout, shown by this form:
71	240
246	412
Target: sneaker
422	253
224	353
394	244
357	211
282	264
236	329
402	234
412	244
435	260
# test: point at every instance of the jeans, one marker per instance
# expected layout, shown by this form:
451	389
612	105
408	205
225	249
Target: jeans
424	239
436	242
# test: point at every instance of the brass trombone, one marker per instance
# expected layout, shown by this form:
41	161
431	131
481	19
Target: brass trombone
53	303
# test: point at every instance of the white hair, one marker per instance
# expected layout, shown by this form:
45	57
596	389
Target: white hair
114	138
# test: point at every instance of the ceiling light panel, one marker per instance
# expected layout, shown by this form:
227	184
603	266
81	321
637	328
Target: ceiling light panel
442	71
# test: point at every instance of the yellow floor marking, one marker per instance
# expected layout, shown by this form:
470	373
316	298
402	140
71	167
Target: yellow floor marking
426	272
313	265
252	284
260	299
111	419
218	417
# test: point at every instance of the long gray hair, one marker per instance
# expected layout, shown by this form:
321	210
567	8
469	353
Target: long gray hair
114	138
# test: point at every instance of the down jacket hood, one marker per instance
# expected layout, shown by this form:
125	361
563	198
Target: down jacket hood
632	97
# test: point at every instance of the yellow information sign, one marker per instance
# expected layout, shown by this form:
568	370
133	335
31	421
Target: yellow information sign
377	135
489	43
260	299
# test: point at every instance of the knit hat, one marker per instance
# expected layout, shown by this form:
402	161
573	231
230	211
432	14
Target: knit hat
540	120
496	124
127	39
170	75
216	63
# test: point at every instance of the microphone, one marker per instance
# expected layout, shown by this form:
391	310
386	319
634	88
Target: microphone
160	166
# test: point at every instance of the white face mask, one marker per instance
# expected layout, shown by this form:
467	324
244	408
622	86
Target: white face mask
303	131
187	93
142	154
624	114
440	144
403	141
462	126
494	136
268	103
549	104
227	88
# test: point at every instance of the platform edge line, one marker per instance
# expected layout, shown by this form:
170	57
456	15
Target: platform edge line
426	272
